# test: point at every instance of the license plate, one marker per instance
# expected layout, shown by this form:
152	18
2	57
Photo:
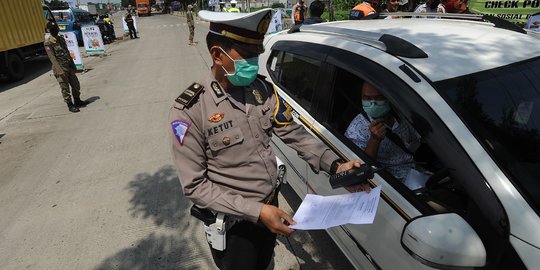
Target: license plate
62	27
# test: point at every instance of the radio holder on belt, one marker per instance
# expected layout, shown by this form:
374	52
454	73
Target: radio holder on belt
215	226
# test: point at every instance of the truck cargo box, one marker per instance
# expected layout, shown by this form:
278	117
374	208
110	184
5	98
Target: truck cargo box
22	23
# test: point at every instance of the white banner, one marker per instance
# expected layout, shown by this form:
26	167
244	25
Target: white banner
93	42
124	23
73	48
275	23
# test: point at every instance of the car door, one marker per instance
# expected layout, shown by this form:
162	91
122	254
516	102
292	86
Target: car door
379	245
463	191
297	73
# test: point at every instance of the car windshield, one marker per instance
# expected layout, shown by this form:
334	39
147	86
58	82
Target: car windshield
502	109
62	16
142	5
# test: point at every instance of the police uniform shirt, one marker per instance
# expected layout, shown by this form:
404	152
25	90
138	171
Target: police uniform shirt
58	52
220	144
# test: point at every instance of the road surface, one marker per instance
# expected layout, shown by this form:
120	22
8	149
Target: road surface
97	189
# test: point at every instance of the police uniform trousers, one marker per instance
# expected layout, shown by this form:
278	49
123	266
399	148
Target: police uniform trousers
249	246
132	31
191	33
65	82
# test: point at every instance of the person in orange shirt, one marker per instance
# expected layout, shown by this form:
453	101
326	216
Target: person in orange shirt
299	12
364	10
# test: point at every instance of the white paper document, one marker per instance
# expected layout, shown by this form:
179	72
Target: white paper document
322	212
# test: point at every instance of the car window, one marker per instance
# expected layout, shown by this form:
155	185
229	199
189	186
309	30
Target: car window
48	14
502	109
295	74
62	16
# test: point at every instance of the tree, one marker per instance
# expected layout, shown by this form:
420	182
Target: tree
57	4
277	5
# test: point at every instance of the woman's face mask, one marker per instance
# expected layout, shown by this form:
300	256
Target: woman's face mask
376	108
245	70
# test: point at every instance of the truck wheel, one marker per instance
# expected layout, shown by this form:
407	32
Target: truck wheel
15	67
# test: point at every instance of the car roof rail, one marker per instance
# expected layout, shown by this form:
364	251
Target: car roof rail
385	42
498	22
433	15
504	24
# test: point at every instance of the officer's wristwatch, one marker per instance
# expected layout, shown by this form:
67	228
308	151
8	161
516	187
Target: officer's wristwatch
335	165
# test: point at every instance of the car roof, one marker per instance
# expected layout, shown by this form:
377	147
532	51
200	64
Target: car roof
454	47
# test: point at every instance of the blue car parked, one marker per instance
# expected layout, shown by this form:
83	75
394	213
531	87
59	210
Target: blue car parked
72	19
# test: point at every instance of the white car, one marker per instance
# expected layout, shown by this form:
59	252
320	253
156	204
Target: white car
472	92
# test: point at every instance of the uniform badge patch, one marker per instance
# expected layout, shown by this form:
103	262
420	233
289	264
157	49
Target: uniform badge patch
216	117
180	129
282	114
217	89
257	96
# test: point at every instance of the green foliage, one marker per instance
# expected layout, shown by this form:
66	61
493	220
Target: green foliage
340	5
340	15
57	4
277	5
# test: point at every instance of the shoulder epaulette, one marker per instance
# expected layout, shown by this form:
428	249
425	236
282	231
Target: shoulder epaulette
189	95
268	87
50	40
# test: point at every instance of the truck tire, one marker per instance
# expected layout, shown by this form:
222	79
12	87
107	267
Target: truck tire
15	67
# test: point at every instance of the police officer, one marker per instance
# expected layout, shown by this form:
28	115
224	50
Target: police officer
63	67
190	23
131	26
233	7
299	12
220	130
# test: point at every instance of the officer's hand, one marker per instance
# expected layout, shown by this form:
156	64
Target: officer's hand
274	218
377	129
349	165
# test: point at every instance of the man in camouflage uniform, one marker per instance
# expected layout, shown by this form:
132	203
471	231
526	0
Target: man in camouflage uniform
63	67
190	23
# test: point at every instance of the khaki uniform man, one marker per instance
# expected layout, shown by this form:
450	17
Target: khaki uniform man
220	131
190	23
63	67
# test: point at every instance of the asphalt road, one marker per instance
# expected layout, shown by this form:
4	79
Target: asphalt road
97	189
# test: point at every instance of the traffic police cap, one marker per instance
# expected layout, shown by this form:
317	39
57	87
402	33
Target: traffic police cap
247	28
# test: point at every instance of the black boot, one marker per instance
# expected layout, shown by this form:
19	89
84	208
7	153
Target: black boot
72	107
81	103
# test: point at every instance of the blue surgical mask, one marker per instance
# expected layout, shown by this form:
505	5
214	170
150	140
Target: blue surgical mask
376	108
245	71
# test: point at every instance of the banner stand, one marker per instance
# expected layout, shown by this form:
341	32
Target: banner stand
93	42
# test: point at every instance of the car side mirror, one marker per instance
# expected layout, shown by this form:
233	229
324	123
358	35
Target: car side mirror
444	241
